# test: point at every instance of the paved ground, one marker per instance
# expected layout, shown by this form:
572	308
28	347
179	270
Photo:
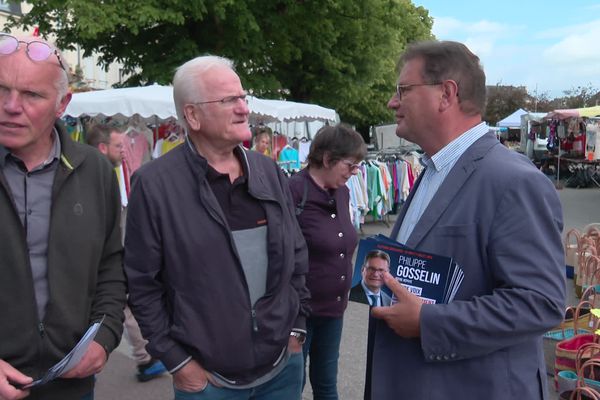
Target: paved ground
117	381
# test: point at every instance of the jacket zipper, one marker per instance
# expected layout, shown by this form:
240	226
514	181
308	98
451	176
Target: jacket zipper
254	322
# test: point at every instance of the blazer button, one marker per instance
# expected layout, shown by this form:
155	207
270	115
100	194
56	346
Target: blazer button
343	277
342	255
332	215
340	234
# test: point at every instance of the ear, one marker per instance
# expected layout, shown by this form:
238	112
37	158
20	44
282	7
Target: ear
327	159
192	116
62	105
103	148
449	96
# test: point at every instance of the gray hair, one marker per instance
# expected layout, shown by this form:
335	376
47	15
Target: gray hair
188	84
62	83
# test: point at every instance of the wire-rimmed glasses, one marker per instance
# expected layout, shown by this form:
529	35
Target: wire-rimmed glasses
229	100
402	89
36	50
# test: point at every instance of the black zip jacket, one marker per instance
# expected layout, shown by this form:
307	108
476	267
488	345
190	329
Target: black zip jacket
187	287
85	273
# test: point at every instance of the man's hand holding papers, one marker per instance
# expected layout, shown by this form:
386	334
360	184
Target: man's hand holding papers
403	316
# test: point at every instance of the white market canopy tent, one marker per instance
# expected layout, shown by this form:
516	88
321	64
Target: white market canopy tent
157	101
513	120
147	101
290	111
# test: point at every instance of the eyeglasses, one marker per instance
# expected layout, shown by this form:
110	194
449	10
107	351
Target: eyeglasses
36	50
401	90
228	101
351	165
374	270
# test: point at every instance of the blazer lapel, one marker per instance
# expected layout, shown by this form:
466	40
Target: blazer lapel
451	186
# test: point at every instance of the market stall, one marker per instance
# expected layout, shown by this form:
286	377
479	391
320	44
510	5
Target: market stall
156	101
574	134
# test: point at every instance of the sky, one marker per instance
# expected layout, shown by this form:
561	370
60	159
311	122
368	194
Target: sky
548	46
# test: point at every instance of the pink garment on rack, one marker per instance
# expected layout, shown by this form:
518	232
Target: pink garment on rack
411	177
136	149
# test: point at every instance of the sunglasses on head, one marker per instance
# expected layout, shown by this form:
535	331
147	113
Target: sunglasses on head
36	50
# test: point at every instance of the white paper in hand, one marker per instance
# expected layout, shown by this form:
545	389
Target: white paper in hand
71	359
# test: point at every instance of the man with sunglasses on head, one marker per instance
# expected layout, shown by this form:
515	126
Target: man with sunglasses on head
214	257
61	262
498	217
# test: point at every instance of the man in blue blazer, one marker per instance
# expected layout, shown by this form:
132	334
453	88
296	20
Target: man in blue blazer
368	290
499	218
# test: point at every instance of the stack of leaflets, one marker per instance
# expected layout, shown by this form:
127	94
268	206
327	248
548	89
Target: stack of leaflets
434	278
70	360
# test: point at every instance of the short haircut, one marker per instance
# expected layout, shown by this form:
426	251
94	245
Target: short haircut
62	83
188	84
451	60
377	254
99	133
339	142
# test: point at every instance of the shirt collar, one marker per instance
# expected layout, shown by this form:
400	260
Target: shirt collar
213	174
54	151
368	292
3	154
449	153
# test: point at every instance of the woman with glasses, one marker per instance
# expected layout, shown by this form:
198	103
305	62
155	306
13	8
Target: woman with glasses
322	209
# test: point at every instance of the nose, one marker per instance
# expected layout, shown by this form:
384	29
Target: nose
11	102
242	106
394	102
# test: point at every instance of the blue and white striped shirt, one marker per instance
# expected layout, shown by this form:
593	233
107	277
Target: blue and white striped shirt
437	168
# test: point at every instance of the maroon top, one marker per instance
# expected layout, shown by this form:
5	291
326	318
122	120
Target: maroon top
331	239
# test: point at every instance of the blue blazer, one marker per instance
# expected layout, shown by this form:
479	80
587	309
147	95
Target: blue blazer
357	294
501	220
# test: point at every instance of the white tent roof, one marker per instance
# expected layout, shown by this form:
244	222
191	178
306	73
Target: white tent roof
147	101
288	111
157	100
513	120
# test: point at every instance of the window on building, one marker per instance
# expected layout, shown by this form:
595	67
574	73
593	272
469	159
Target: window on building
12	7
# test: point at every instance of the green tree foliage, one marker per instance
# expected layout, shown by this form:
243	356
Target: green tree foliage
503	101
337	53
